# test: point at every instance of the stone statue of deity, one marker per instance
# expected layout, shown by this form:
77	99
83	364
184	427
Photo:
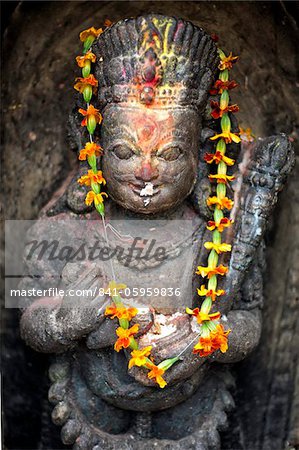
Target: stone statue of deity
155	74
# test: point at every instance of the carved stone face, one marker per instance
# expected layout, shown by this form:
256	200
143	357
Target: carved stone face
151	155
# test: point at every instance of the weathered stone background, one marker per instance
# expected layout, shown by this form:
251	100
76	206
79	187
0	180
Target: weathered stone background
40	44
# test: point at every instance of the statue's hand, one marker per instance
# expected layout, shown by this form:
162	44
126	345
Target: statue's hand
105	334
54	324
245	331
244	336
169	338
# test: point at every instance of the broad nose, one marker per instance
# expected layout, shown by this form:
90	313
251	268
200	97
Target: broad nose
146	172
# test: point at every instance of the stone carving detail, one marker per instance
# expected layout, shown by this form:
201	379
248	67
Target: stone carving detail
155	74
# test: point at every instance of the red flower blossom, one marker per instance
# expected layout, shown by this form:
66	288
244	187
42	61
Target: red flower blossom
217	157
224	223
214	37
217	112
221	178
201	316
221	203
221	86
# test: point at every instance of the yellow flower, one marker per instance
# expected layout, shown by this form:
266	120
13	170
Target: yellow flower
219	337
156	372
217	157
125	336
92	197
217	340
90	32
204	346
221	203
90	149
121	312
203	292
221	178
138	357
92	177
227	136
210	271
201	316
219	248
223	223
227	62
89	56
81	83
91	111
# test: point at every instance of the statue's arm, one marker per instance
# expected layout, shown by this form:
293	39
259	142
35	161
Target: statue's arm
271	161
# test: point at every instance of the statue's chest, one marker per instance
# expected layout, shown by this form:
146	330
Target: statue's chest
160	269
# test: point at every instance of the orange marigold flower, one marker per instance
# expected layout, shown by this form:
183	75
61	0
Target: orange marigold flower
246	135
92	177
201	316
218	112
224	223
81	83
108	23
220	203
204	346
89	56
90	32
217	340
90	149
92	197
221	86
203	292
90	111
121	312
125	336
217	157
219	337
227	62
210	271
219	248
221	178
227	136
138	357
156	372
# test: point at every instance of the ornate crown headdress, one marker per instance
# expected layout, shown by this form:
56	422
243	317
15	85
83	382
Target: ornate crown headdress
155	60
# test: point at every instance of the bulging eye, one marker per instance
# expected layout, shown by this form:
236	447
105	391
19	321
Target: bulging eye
122	151
170	154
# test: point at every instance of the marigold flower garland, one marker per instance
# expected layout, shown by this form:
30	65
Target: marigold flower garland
213	336
87	85
212	333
